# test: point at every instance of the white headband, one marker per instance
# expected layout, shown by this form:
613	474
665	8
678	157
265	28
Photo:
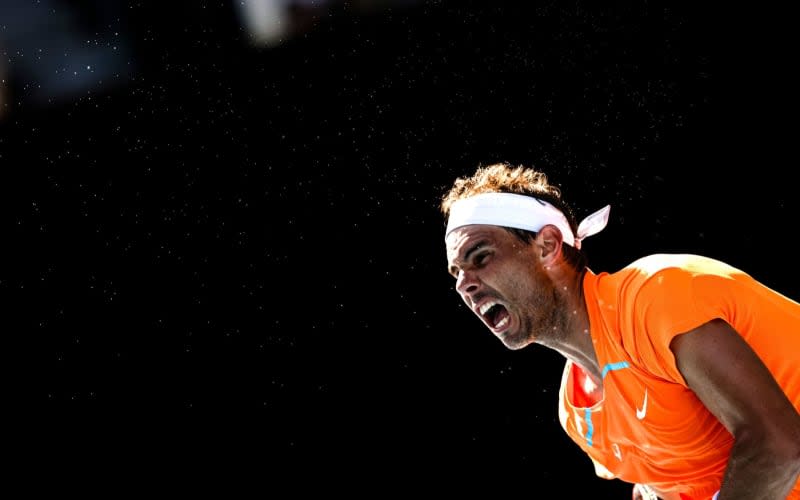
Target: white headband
522	212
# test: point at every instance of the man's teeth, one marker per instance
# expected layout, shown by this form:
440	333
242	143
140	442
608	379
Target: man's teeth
487	306
501	323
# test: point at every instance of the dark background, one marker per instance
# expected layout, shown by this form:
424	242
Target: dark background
230	255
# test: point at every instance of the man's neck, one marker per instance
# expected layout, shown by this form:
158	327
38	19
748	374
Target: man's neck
576	344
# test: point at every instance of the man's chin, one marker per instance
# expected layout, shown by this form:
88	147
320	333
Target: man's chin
511	341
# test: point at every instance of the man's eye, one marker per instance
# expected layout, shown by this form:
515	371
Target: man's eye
480	259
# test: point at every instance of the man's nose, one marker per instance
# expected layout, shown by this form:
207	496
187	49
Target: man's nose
466	283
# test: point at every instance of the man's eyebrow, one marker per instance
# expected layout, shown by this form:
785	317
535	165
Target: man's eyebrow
472	249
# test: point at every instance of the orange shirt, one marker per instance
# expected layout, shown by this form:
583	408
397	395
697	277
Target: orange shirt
649	427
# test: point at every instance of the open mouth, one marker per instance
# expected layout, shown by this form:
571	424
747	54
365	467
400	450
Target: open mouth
495	315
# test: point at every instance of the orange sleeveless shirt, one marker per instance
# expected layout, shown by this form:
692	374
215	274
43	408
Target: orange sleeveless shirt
649	427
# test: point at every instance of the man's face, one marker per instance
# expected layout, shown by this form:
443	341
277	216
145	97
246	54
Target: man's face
502	281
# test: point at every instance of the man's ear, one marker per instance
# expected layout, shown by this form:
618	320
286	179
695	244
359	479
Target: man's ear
550	240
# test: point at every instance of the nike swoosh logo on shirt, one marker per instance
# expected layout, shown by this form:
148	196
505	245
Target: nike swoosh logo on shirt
641	412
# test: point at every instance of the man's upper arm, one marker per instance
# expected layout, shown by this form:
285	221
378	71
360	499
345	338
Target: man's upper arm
735	385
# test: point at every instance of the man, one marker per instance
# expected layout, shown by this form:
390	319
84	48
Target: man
682	373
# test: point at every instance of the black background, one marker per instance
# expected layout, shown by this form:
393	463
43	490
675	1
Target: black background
233	255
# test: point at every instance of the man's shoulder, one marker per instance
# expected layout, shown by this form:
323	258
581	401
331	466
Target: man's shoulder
661	275
660	263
